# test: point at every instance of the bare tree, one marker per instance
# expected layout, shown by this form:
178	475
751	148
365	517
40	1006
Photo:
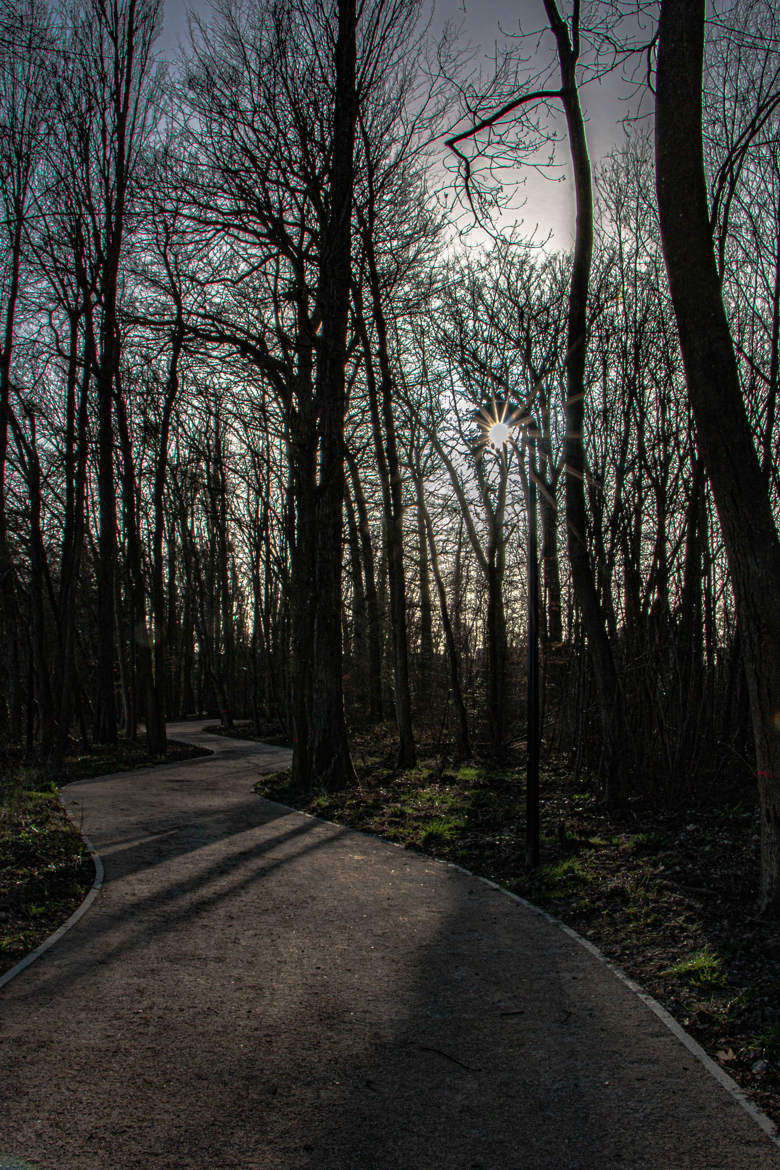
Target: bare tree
722	427
25	92
567	36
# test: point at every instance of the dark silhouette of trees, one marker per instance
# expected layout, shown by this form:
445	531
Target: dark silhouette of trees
722	427
247	369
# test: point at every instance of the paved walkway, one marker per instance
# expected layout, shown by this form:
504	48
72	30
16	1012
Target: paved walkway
260	990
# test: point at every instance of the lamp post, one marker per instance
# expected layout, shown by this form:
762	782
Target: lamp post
499	434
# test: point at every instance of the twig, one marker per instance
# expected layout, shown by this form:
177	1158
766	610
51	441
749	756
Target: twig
446	1055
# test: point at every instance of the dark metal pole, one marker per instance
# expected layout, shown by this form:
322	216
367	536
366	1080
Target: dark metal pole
532	767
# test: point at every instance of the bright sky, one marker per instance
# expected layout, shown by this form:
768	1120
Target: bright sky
548	204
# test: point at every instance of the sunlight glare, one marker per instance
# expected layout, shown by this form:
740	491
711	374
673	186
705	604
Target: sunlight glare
498	434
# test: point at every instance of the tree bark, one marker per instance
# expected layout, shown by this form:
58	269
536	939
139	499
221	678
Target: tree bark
331	763
9	652
723	430
582	569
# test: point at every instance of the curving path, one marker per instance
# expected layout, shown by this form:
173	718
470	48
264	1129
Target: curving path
259	990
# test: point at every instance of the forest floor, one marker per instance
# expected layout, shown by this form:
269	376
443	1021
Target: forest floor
668	896
45	868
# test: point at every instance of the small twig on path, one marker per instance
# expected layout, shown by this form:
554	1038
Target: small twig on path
446	1055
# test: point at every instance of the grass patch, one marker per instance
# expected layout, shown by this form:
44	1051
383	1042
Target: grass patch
766	1043
703	969
563	878
440	829
45	870
644	843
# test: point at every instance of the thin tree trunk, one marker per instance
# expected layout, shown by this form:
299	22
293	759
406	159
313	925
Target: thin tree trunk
462	743
425	662
159	634
40	682
374	609
73	534
358	632
583	574
144	693
388	465
551	569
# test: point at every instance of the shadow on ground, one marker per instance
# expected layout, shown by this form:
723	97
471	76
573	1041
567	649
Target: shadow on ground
260	990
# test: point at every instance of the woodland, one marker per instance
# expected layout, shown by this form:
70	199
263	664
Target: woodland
260	311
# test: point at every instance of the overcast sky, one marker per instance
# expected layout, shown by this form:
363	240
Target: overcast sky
548	204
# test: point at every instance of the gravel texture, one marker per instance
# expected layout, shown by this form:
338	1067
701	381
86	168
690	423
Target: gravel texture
257	989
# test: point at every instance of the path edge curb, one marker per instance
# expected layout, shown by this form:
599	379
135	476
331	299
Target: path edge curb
762	1120
78	913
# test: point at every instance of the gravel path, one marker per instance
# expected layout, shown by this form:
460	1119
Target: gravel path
257	989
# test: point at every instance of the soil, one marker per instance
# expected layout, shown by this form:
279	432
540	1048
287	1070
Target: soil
668	895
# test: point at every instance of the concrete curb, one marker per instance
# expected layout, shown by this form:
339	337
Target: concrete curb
728	1083
81	910
78	913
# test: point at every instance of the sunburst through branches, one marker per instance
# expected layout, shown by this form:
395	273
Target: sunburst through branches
496	422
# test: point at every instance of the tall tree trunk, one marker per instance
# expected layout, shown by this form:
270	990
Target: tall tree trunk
495	627
156	735
548	514
145	694
689	634
9	637
76	451
40	677
723	430
105	730
582	569
358	639
302	588
331	763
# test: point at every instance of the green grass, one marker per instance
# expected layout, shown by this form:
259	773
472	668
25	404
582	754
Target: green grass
44	868
767	1042
441	829
702	969
469	773
644	843
561	879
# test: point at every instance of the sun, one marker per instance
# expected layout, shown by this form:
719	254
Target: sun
495	422
498	434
